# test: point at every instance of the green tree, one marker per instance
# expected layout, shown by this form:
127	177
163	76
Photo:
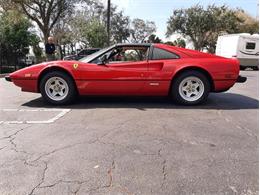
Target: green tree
179	42
46	13
34	42
119	27
90	32
6	5
95	9
140	30
15	37
94	33
202	26
64	35
78	24
169	43
94	12
249	24
154	39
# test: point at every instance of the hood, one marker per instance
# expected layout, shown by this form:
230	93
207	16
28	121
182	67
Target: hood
32	72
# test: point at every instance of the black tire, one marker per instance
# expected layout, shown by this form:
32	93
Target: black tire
243	67
175	92
70	83
255	68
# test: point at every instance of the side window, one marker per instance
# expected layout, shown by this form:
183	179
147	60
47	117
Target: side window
250	45
128	54
89	52
124	54
160	54
86	52
82	52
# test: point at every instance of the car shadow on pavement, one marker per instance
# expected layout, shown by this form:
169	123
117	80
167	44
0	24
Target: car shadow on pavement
218	101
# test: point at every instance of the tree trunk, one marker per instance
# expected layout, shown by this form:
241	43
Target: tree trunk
61	52
58	44
72	49
46	34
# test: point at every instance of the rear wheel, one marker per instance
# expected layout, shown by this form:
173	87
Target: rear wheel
57	88
190	88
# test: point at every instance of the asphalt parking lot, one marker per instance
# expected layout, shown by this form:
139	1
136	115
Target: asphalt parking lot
130	145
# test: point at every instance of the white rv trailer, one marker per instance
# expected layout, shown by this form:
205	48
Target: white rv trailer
244	47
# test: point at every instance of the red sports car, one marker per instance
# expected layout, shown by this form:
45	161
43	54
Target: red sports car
187	76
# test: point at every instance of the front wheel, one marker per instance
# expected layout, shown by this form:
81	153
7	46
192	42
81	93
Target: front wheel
190	88
57	88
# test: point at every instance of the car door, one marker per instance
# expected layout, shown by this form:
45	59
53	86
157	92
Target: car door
117	76
159	71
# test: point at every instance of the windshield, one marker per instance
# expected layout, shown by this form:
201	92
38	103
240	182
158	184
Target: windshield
91	57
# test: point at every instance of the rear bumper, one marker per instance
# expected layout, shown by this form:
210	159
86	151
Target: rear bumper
241	79
8	78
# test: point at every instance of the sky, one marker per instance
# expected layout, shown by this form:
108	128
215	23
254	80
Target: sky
160	10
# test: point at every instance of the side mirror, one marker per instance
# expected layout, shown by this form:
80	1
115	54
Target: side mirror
103	60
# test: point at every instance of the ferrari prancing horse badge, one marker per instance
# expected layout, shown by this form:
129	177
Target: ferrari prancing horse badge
75	66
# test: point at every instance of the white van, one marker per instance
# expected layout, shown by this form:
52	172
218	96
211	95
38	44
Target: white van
244	47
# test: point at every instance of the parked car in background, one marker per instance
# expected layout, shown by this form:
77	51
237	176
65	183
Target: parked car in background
30	59
187	76
244	47
27	60
83	53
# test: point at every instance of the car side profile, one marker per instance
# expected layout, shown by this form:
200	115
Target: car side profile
187	76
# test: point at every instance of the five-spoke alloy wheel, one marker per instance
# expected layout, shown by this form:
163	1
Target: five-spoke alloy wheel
57	88
190	88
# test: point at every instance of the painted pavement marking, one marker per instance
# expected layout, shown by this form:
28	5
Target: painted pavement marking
61	113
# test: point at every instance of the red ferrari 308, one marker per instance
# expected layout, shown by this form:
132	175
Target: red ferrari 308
187	76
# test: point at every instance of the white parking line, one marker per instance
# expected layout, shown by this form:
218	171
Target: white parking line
13	122
61	113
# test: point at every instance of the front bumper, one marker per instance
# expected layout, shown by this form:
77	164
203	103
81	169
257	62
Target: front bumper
241	79
8	78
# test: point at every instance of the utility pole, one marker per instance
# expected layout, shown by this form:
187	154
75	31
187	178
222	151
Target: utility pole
108	21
